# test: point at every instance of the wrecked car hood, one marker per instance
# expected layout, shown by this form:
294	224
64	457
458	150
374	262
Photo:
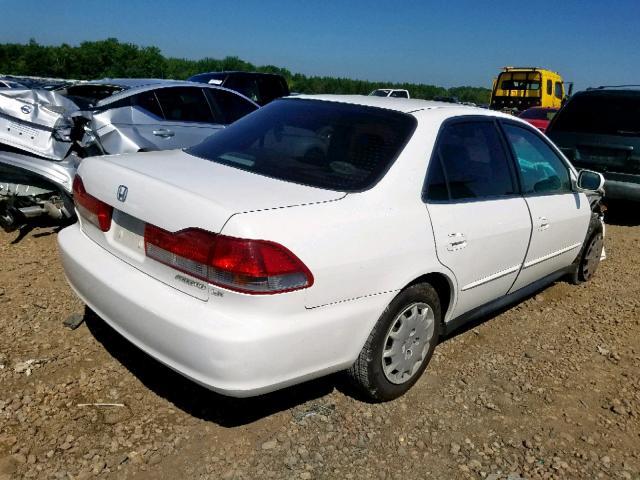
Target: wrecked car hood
37	121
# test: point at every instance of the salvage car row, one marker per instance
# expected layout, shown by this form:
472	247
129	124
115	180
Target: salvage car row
56	129
317	233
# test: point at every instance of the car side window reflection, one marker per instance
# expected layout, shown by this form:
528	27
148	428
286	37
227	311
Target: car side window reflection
469	163
541	170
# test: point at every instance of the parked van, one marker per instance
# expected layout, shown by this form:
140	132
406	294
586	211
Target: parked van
516	89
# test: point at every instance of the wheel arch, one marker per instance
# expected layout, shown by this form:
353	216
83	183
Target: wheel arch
444	287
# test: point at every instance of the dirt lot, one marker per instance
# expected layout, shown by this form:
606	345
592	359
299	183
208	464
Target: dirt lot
547	389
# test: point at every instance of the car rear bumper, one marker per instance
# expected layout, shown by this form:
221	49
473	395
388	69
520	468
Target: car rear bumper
236	353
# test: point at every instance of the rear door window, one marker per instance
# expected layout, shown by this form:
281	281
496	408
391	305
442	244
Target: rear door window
469	163
184	104
541	169
148	102
228	107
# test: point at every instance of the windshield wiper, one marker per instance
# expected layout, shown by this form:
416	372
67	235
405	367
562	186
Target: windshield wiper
633	133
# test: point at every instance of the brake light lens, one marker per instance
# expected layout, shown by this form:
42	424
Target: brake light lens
92	209
248	266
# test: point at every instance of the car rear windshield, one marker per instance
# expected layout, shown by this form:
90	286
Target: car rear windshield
604	114
88	95
323	144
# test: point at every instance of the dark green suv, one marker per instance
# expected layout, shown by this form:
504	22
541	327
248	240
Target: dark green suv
599	129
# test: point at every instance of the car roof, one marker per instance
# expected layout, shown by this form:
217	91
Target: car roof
226	73
404	105
611	90
128	83
132	86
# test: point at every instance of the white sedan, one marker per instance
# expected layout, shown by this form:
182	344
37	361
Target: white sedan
247	266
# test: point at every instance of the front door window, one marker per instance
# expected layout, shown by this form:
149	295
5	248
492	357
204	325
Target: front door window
541	169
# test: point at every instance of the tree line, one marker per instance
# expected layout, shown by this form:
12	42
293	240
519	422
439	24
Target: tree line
111	58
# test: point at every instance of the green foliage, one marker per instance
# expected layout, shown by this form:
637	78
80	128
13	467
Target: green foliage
113	59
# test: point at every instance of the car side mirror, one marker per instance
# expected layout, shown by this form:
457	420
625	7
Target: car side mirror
590	181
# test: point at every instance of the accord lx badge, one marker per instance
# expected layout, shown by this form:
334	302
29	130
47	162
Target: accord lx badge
122	193
191	282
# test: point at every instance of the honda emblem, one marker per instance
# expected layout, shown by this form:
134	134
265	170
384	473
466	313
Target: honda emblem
122	193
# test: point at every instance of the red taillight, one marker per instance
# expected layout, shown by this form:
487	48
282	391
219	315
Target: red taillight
249	266
256	266
92	209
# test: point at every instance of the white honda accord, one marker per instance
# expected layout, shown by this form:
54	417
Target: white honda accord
327	233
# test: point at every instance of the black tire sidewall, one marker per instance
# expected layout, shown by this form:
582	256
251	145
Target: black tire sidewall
595	227
420	293
583	259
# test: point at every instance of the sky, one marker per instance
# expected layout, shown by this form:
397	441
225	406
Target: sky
452	43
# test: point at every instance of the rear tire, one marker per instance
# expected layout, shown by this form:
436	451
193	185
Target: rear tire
400	345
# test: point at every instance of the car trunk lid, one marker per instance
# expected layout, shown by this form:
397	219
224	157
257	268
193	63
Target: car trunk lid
175	191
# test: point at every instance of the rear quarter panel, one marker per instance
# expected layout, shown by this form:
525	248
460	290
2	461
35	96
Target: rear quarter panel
364	244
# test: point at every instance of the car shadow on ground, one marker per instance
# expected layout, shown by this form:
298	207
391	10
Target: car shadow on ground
195	399
625	214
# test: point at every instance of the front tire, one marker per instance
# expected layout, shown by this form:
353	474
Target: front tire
400	344
589	258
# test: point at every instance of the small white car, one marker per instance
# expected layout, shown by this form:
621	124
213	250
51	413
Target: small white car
247	267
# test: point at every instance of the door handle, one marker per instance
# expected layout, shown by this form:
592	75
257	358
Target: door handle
457	241
544	223
163	132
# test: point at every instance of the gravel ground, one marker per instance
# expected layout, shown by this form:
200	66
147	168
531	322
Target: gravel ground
547	389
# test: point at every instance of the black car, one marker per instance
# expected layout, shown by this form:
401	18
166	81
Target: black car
599	129
259	87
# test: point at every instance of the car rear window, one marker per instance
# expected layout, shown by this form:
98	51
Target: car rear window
88	95
328	145
600	114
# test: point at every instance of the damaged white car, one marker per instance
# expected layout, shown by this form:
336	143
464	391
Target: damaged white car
45	134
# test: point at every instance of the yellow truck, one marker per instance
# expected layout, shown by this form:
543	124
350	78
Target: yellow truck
517	88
